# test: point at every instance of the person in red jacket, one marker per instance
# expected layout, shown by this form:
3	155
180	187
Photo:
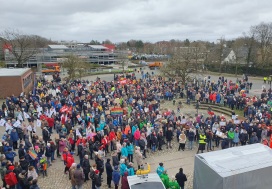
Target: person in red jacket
105	141
10	179
51	123
112	139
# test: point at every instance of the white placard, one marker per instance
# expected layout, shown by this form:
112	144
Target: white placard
233	117
237	121
39	109
2	122
78	133
39	123
29	128
159	116
26	115
20	117
222	123
8	127
17	124
146	109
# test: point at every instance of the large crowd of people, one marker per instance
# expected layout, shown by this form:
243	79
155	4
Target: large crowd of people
113	126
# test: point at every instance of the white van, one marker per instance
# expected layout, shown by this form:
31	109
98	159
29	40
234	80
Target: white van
148	181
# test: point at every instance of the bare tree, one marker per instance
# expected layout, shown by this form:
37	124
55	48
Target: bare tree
122	57
237	47
75	66
179	66
263	34
21	46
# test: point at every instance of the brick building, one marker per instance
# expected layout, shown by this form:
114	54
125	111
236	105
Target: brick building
15	81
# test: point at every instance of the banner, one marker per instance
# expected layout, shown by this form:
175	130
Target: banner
117	111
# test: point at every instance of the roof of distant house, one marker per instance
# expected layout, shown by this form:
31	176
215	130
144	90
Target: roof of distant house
13	72
57	47
98	47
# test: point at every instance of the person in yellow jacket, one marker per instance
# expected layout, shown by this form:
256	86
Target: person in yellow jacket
202	142
265	79
142	171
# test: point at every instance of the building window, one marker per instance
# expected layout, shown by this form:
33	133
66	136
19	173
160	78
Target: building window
27	80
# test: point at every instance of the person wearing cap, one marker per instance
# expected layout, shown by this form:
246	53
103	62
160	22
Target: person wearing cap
160	169
130	169
97	179
116	177
109	171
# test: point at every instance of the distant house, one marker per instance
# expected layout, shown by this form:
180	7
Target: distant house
228	56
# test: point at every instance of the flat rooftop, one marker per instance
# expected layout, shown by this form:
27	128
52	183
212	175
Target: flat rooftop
238	159
13	71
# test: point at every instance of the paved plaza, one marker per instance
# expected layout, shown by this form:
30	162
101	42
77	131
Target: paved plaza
172	158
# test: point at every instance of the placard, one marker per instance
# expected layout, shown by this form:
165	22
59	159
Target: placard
20	117
107	112
79	118
222	123
102	99
39	109
146	109
117	101
233	117
2	122
17	123
26	115
159	116
237	121
39	123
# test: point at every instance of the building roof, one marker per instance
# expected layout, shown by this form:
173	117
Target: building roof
57	47
98	47
238	160
13	72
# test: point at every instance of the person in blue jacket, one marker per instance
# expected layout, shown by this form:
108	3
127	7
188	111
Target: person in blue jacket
130	169
130	150
123	167
14	138
124	151
160	169
116	176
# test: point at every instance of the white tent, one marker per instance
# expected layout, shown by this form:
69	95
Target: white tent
245	167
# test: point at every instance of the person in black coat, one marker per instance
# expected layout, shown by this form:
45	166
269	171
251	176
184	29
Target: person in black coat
160	140
109	171
86	167
169	137
181	178
21	151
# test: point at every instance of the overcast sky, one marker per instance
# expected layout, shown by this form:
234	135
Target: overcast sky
122	20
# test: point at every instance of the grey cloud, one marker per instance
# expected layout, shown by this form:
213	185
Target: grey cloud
122	20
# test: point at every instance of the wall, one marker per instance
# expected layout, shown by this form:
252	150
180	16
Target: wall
14	85
10	85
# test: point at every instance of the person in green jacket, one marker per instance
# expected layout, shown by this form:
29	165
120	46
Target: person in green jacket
165	179
231	137
173	184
